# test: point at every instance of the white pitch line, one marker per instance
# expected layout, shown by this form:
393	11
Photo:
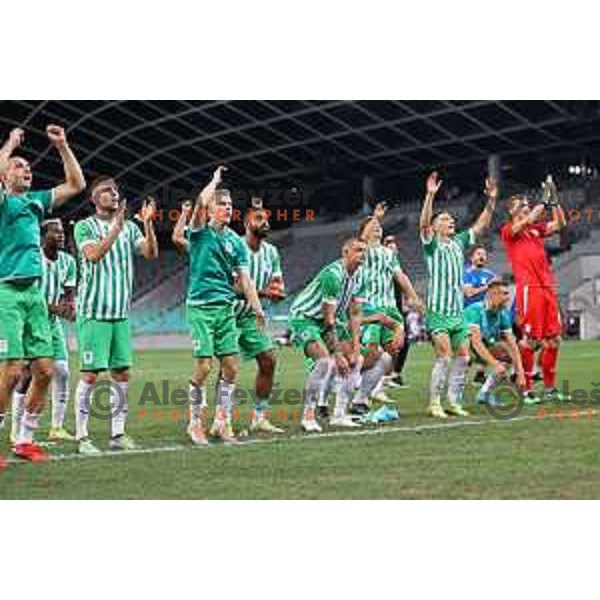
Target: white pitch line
294	438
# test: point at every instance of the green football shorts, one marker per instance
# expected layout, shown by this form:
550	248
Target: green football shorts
24	324
59	339
455	327
214	330
377	334
305	331
252	340
104	345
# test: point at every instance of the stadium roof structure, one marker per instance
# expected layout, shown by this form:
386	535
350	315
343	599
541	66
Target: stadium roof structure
148	144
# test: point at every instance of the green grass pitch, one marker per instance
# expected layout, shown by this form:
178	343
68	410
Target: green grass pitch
479	457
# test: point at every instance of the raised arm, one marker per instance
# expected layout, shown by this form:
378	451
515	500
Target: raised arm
74	180
15	139
431	189
532	217
485	218
205	198
179	241
558	222
149	247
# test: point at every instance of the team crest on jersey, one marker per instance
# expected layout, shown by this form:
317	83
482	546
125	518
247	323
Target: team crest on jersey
229	247
88	358
3	346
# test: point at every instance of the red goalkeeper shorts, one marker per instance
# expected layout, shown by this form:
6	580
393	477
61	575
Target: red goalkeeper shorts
538	311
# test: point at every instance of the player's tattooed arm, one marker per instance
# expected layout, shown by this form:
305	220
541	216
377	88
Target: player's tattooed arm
179	240
149	245
485	218
515	356
74	180
206	198
330	334
354	325
15	139
248	289
432	187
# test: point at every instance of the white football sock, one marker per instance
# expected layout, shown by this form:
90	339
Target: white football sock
18	408
372	378
225	390
60	393
487	385
316	385
119	404
82	409
344	387
439	377
197	395
29	425
457	378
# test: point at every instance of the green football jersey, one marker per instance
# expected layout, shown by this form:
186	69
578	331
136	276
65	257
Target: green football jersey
214	256
106	286
379	268
493	324
57	275
264	264
20	240
332	285
445	266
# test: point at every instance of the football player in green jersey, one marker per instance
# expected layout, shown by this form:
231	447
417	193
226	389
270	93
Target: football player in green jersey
444	251
492	341
383	326
255	343
218	262
24	327
106	244
325	321
58	284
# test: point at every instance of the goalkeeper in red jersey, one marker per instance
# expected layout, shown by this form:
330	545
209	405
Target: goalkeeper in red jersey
538	311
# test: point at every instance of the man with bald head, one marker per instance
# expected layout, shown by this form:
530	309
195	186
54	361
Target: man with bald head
24	328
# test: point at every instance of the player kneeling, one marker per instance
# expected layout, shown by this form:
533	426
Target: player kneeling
492	340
